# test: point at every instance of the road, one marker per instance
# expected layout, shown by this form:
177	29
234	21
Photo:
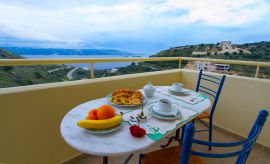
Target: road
151	67
69	74
53	70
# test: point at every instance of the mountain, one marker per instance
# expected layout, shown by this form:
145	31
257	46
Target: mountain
59	51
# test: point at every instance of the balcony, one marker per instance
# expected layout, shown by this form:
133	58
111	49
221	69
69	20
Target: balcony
30	116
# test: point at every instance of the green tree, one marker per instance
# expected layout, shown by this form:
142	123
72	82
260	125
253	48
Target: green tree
7	68
226	53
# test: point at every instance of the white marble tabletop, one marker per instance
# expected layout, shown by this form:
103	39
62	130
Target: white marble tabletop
121	142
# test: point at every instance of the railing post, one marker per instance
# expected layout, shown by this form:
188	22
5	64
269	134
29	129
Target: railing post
257	71
92	71
180	61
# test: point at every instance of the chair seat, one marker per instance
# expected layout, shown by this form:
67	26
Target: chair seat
203	115
170	155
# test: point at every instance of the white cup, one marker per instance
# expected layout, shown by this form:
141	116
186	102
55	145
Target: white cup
177	86
165	105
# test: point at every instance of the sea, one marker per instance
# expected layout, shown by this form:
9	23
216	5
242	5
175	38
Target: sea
97	66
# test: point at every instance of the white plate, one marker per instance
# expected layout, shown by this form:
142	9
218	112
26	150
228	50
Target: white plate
183	91
173	112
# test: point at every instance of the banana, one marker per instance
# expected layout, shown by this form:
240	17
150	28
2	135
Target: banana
100	124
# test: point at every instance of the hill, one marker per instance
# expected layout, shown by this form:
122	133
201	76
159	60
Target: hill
259	51
8	55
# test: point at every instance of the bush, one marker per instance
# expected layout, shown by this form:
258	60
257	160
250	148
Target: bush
8	68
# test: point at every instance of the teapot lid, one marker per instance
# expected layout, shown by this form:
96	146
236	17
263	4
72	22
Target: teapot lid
149	85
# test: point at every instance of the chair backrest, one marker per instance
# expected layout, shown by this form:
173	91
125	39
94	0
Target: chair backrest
213	93
243	153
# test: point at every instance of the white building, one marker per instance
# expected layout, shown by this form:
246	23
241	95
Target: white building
225	45
199	53
114	70
208	66
223	67
205	66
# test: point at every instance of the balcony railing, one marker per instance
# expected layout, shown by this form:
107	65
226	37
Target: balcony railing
91	61
30	116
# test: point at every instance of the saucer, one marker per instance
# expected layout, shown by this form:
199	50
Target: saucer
163	117
173	112
182	91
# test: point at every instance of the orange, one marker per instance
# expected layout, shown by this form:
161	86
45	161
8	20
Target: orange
92	115
105	112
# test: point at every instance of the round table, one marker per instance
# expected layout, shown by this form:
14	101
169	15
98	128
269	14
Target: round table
119	142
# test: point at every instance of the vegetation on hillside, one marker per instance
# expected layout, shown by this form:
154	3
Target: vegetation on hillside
28	75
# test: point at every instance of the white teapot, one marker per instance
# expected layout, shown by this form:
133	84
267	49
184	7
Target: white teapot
149	90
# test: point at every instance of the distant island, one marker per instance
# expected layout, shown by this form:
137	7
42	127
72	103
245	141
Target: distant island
28	75
63	51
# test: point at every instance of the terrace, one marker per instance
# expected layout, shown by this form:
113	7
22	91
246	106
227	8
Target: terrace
30	116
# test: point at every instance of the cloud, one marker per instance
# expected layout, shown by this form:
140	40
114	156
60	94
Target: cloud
221	13
146	21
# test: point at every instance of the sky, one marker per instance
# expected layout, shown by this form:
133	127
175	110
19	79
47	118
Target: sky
143	26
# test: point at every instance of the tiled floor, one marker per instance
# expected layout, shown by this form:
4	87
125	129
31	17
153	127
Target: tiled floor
257	156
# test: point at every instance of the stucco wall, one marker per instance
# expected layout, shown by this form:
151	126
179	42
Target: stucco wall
30	116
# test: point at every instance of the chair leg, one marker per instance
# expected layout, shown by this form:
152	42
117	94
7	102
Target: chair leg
210	133
140	158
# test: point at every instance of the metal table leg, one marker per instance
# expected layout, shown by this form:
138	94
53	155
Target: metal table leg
128	159
173	138
105	159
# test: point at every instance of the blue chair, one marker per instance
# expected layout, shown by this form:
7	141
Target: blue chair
205	115
210	92
185	155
